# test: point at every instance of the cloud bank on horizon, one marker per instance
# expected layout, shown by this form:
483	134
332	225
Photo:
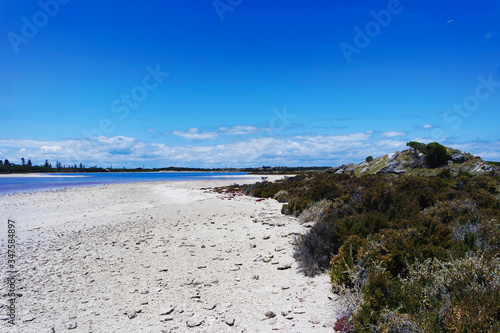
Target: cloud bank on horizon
120	151
246	83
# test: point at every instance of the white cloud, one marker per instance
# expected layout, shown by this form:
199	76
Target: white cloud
27	143
239	130
266	150
393	134
115	140
193	135
428	140
427	126
50	149
487	150
126	151
392	144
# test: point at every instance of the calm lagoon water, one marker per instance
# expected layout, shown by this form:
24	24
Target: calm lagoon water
9	185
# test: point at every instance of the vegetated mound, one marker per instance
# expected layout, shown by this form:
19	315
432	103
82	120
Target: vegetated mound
419	159
412	252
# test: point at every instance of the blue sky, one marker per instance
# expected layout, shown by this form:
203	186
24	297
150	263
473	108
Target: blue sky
245	83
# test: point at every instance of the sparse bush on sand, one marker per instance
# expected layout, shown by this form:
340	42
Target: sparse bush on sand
315	249
281	196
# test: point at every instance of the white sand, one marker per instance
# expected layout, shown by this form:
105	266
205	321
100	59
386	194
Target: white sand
158	257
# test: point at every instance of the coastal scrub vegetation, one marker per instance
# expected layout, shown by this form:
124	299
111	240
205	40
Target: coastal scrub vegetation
419	253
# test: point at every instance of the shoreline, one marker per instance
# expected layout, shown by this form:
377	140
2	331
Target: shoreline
56	174
35	175
160	256
50	187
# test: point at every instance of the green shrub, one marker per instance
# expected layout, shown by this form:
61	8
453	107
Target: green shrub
478	311
437	155
416	145
344	264
264	189
489	235
378	297
369	159
495	164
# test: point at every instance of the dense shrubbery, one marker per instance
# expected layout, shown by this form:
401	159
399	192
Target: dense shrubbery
436	154
424	252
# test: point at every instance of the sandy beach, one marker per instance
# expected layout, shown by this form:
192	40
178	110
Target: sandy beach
158	257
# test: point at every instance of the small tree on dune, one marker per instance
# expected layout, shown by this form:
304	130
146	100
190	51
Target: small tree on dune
416	146
437	154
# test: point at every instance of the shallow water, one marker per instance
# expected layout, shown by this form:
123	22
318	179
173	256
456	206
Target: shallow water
9	185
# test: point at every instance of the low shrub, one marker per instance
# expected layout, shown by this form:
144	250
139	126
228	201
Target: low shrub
346	268
460	295
315	249
282	196
489	235
316	212
264	189
343	325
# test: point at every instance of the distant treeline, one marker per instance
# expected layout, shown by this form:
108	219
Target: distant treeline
27	167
